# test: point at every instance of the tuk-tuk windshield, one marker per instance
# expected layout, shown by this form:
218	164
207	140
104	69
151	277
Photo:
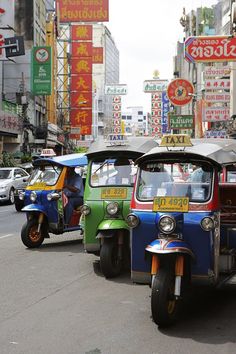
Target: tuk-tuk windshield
112	172
47	175
175	179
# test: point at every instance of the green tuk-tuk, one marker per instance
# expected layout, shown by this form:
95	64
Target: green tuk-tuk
108	190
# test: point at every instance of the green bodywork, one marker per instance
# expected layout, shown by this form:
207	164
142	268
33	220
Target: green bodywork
98	219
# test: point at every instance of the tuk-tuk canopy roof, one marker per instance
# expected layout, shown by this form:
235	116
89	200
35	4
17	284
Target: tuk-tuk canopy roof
130	147
70	160
217	151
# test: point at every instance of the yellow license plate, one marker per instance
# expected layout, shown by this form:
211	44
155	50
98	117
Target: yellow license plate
114	193
39	185
163	204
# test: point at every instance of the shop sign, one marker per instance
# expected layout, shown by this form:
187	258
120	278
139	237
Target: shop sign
41	83
216	114
217	97
155	85
97	55
116	89
216	134
6	20
180	92
83	11
212	71
82	83
217	84
82	49
181	121
81	32
10	123
164	112
82	65
210	49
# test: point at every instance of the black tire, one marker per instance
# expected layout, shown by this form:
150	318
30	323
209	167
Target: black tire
110	263
18	206
11	199
29	235
164	305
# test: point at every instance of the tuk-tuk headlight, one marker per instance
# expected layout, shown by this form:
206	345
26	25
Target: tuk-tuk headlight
132	220
112	208
21	195
33	196
53	196
207	224
167	224
85	209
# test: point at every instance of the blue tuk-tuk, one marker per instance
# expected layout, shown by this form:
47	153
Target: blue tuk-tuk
183	220
44	199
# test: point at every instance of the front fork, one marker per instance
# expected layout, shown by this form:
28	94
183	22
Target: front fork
179	271
40	221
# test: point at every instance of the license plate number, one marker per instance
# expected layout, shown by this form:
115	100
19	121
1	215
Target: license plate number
163	204
114	193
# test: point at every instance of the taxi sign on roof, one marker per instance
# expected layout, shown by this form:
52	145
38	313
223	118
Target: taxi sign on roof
48	153
117	139
176	140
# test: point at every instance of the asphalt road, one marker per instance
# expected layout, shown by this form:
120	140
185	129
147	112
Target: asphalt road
53	300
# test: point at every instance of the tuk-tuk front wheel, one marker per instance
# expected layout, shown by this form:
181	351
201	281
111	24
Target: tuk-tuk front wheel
164	305
110	262
30	236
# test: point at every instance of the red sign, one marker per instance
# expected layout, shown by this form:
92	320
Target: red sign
83	11
75	136
79	117
180	92
82	49
81	99
210	48
116	115
97	55
81	83
81	65
81	33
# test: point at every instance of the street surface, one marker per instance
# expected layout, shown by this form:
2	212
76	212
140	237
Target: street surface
53	302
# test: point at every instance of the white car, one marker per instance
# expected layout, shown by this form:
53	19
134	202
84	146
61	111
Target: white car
10	179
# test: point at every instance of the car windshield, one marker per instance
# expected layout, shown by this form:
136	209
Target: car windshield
160	179
4	174
45	175
112	172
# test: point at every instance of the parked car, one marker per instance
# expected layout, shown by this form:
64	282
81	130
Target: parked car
10	179
19	191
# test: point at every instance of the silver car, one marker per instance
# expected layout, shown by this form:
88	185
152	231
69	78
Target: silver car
10	179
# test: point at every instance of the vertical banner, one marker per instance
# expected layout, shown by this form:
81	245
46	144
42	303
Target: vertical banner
164	113
156	114
81	96
41	68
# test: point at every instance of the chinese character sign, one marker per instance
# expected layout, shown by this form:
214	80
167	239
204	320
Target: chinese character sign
164	114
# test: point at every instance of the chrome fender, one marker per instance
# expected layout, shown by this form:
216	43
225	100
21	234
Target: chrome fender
162	246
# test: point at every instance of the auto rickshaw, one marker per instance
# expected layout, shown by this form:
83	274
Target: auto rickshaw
44	199
109	184
183	230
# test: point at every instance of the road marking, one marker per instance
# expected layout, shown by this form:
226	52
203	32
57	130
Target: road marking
8	235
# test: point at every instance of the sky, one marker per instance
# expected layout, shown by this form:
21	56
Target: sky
146	34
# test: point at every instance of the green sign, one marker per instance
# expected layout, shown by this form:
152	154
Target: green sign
41	65
10	107
181	121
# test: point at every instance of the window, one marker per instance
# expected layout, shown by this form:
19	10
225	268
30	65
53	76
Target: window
45	175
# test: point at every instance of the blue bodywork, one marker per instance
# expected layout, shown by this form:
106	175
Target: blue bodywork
194	238
71	160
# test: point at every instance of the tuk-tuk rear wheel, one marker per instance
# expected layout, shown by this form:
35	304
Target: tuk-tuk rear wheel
164	305
30	236
110	263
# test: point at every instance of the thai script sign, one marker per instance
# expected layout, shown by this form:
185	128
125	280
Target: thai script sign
217	84
116	89
210	48
180	92
155	85
212	71
41	83
215	134
216	114
181	121
83	10
217	97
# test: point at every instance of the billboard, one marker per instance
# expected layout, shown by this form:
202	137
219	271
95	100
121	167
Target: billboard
83	11
41	67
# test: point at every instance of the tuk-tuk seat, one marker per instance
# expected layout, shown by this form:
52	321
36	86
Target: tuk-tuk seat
227	203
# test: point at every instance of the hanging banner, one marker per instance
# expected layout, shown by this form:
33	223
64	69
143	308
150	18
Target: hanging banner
41	67
81	99
79	117
81	32
164	112
217	84
83	11
210	49
216	114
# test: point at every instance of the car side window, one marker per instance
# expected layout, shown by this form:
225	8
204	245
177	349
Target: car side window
23	173
18	172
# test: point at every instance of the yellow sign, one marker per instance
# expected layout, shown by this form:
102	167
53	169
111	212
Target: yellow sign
176	140
114	193
163	204
39	185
